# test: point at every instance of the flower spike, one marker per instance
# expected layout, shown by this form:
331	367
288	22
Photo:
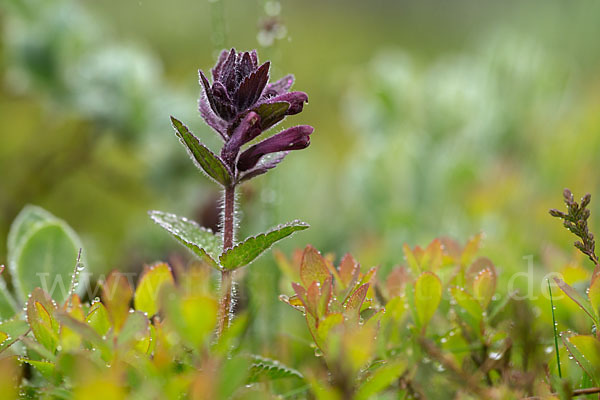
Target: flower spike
240	104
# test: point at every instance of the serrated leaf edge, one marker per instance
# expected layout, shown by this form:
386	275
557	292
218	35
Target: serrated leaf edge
264	364
279	227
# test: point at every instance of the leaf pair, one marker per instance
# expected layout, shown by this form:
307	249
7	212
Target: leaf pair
207	245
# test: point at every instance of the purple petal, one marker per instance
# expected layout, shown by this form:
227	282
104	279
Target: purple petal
217	98
254	57
216	71
251	87
279	87
247	129
206	86
264	165
211	118
296	100
222	104
245	66
295	138
228	72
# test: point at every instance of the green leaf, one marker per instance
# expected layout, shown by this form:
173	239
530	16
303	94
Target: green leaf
98	318
193	317
204	158
412	261
469	309
14	328
500	305
86	332
136	328
41	319
203	242
152	280
234	374
271	113
46	368
37	348
428	294
577	298
116	295
467	302
325	326
395	311
381	379
263	367
244	253
44	255
70	340
24	222
484	286
586	351
232	336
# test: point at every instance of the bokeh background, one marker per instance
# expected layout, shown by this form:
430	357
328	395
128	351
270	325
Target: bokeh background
432	118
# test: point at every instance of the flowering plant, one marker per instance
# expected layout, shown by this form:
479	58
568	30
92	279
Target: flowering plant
240	105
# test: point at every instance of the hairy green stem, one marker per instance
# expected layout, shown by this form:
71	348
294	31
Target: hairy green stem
228	226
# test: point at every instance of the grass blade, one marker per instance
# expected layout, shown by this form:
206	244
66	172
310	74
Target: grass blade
555	331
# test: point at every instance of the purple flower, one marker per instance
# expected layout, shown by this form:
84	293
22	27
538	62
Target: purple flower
295	138
240	84
241	104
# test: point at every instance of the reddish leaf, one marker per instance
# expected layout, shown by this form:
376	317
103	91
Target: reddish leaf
349	270
325	297
355	301
313	268
40	316
312	295
116	296
470	249
302	296
396	281
432	257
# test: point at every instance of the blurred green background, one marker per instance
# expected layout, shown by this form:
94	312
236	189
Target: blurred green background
432	119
